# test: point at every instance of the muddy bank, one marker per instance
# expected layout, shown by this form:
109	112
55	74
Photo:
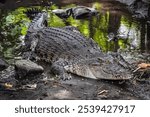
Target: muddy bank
78	88
48	87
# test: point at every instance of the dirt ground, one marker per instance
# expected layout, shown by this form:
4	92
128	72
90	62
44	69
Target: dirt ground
80	89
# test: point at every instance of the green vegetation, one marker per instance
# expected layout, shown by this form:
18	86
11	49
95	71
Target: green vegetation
13	25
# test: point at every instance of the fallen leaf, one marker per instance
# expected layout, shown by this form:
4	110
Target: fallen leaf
143	65
102	92
7	85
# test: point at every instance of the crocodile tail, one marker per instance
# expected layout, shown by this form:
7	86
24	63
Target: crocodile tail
39	22
32	12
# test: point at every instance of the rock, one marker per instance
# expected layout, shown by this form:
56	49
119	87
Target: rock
79	12
62	13
3	64
82	12
27	69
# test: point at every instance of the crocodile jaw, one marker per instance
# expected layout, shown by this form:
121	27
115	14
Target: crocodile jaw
85	72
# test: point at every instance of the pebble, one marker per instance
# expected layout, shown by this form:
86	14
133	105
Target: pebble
24	68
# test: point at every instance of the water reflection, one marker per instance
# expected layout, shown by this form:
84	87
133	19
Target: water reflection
129	34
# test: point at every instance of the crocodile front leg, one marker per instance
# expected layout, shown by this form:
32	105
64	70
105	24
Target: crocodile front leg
57	69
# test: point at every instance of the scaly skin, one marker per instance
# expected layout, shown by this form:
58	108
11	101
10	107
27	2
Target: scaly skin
68	51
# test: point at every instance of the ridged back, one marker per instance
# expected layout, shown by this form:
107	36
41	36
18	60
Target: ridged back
57	43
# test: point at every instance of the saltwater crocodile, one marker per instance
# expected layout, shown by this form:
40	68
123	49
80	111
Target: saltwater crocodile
69	52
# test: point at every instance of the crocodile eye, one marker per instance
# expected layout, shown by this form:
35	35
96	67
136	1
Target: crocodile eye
100	60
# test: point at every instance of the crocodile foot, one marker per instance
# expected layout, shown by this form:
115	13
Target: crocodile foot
65	76
57	69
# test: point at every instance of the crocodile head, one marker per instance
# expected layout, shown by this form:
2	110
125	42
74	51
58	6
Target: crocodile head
100	68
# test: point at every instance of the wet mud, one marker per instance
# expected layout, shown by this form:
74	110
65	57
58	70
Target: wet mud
80	89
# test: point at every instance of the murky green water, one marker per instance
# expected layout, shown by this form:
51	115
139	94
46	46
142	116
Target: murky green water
131	35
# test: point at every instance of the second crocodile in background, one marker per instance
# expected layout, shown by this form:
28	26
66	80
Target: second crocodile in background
69	52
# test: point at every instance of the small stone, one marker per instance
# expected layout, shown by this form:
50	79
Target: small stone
25	68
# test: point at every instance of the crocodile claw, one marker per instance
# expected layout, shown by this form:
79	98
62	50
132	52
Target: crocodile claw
65	76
